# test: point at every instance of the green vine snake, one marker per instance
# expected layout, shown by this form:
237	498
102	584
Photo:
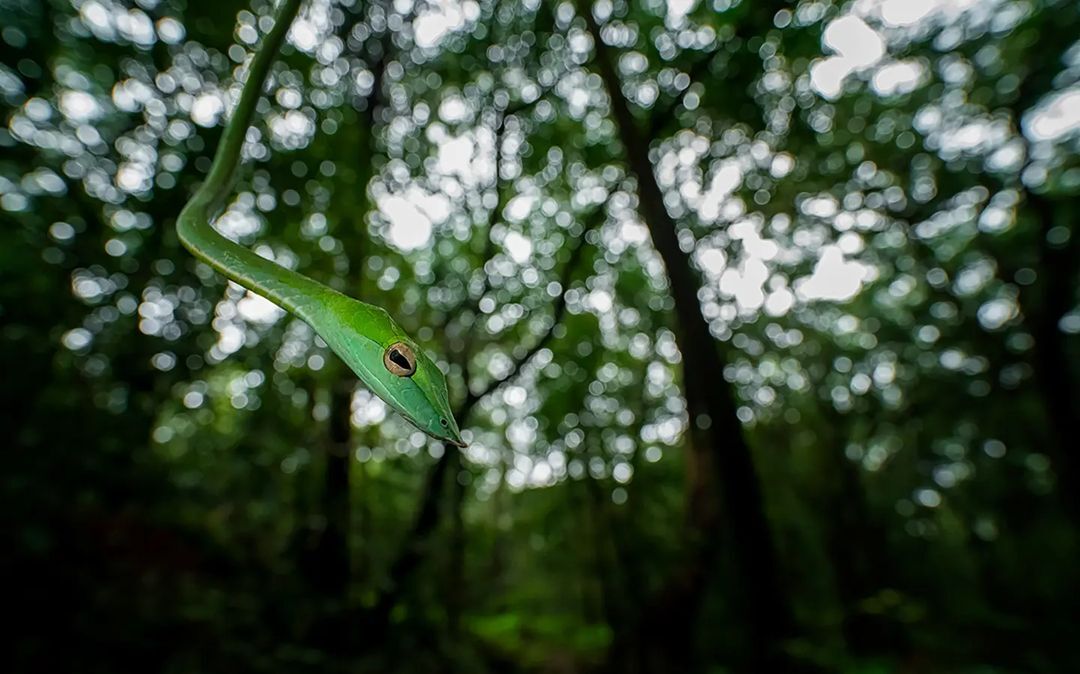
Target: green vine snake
388	362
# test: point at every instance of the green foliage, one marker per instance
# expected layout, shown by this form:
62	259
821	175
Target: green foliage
885	248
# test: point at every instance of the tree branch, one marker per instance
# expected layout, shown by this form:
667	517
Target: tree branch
427	517
557	315
501	200
661	118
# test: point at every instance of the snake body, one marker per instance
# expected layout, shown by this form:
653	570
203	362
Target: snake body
381	354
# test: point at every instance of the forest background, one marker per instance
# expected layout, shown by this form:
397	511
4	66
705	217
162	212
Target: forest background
760	317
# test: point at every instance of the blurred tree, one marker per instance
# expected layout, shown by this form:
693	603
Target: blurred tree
761	318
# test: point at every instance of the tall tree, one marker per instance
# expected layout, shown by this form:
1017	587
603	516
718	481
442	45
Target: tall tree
723	484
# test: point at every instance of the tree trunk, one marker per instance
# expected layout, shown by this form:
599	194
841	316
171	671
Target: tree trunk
455	589
721	475
1047	301
855	544
333	560
1050	299
331	572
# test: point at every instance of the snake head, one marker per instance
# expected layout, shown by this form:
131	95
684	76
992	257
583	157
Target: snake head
391	365
416	388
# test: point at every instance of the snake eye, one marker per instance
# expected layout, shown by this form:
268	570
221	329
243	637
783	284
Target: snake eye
400	360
